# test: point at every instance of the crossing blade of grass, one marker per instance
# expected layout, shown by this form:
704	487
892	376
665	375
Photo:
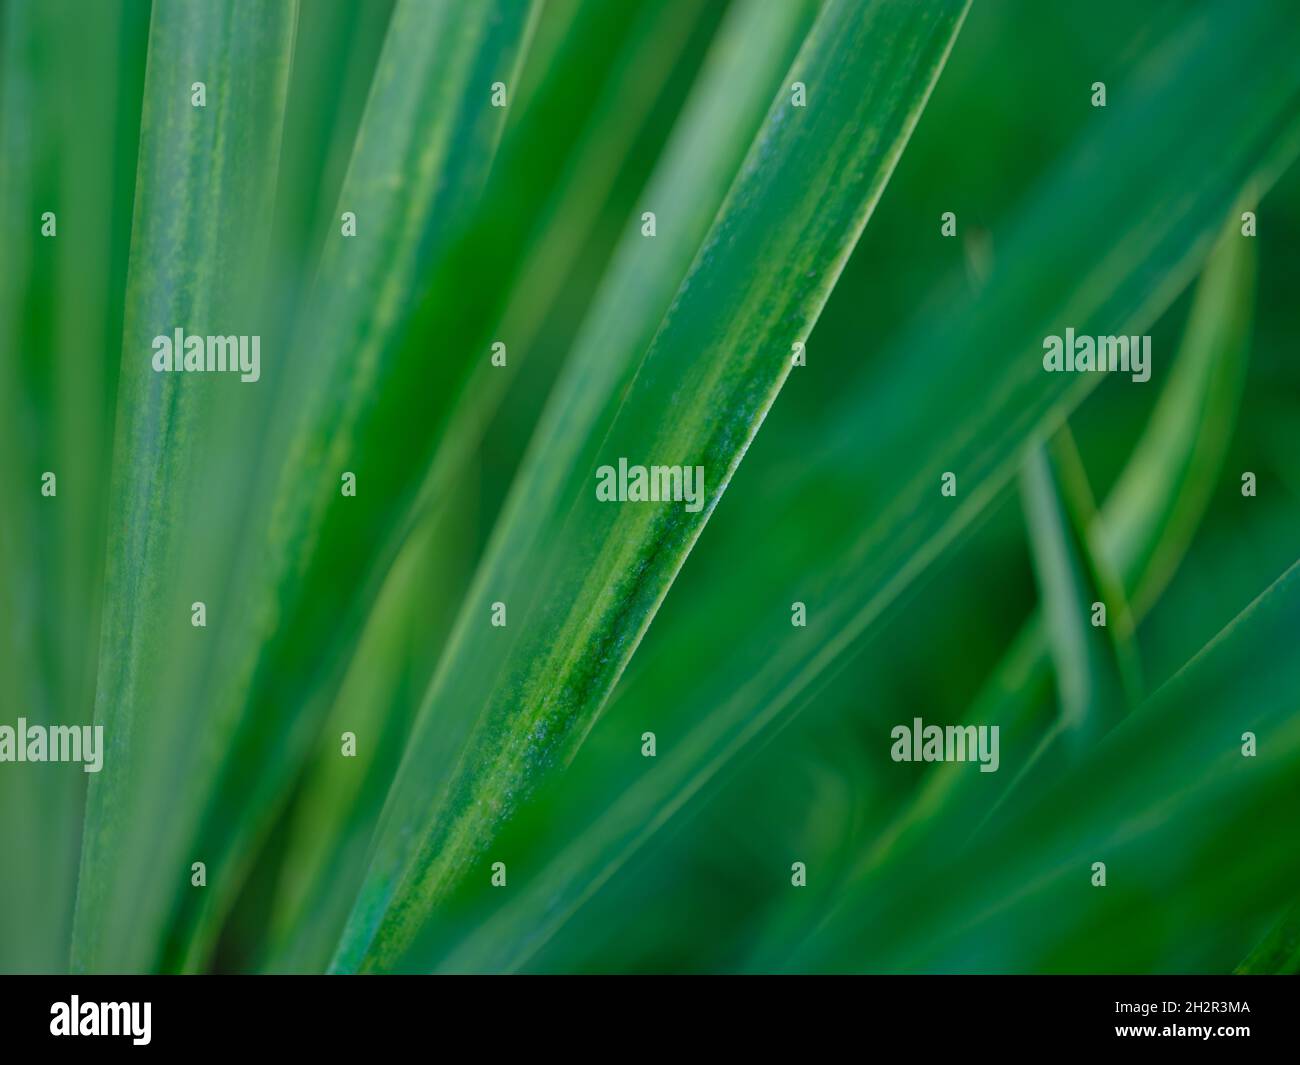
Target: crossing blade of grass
432	406
1169	802
1091	660
875	551
424	149
1155	507
1094	664
938	408
1152	512
1208	369
741	75
205	178
651	61
545	300
466	241
702	389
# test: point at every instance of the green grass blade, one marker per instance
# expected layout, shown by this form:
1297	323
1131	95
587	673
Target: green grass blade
711	135
1213	350
1094	665
1087	659
429	128
742	73
464	246
1118	179
203	203
340	799
1155	507
752	53
336	51
722	353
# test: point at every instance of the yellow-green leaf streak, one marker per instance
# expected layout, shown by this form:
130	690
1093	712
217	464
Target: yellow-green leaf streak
707	380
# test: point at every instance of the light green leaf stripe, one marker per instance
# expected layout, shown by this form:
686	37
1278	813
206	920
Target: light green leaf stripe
1155	507
700	394
1090	677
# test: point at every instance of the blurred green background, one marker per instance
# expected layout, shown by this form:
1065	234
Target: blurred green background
772	742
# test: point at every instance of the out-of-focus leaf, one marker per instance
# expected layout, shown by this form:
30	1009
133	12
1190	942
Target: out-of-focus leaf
336	51
1172	772
1279	951
340	798
701	391
1087	660
1094	665
1152	512
70	152
1214	350
325	556
710	139
423	153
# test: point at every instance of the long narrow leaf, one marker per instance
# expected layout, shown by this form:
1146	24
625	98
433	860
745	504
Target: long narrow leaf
206	178
70	153
741	74
417	172
700	394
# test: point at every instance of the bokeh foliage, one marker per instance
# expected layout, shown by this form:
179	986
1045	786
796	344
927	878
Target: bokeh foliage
522	224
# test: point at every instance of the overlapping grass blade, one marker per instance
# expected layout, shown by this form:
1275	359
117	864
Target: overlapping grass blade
336	51
463	242
340	798
1173	771
1151	513
423	153
1212	356
1119	176
741	75
1092	652
477	243
544	295
701	391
